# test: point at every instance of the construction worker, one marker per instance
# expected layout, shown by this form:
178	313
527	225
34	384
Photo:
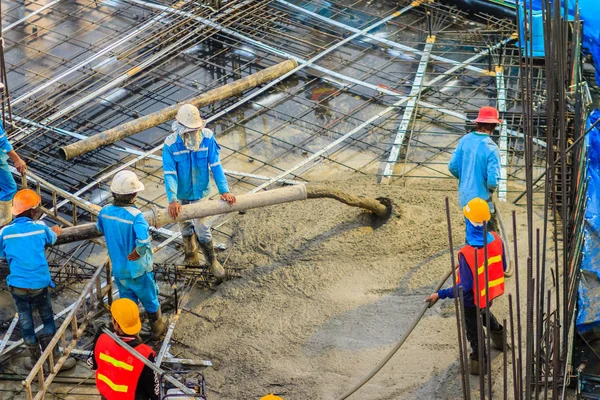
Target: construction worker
476	162
22	243
129	246
476	212
120	375
188	155
8	187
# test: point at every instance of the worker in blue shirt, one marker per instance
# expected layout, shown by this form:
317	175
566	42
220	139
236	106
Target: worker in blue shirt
476	163
476	212
188	155
22	243
8	187
129	247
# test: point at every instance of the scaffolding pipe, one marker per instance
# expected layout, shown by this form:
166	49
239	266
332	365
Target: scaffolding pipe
130	128
158	217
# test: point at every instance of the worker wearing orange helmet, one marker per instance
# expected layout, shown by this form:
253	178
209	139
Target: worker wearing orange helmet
119	375
22	243
8	186
476	213
476	162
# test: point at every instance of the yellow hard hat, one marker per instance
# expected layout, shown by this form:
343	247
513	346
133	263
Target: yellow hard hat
127	315
24	200
477	210
271	397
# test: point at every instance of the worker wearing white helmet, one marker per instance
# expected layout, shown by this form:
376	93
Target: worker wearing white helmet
129	246
188	156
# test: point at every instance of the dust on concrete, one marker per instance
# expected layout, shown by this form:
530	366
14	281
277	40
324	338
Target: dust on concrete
323	295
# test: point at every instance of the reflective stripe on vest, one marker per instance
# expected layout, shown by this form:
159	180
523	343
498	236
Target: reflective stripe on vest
118	370
495	270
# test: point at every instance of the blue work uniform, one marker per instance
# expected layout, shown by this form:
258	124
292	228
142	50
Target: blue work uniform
8	186
187	177
125	229
476	164
22	243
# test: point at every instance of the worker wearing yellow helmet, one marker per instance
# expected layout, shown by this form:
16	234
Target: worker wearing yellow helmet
119	375
472	279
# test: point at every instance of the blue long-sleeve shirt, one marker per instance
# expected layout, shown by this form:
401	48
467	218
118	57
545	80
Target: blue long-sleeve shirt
466	280
5	145
22	243
125	229
476	164
186	172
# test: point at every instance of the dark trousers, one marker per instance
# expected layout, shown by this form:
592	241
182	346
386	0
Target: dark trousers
493	225
26	301
471	325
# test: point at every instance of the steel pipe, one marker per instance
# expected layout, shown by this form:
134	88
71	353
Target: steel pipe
130	128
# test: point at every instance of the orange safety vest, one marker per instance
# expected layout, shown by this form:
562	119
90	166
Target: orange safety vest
495	270
118	370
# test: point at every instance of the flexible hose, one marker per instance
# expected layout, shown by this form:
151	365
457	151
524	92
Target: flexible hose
397	346
510	271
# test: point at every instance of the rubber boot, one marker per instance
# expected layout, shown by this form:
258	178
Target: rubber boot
34	355
190	247
214	266
158	324
5	212
69	362
498	339
475	367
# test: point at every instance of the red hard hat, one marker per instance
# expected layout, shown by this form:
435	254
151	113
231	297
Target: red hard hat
488	115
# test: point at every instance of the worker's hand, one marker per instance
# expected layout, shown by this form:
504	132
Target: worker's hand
174	209
432	299
133	256
21	166
229	198
57	230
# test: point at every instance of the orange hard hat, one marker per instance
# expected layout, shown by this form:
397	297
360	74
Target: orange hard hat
271	397
127	315
488	115
24	200
477	210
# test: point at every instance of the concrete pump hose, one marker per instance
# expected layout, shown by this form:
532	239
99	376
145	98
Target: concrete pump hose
397	346
379	207
510	271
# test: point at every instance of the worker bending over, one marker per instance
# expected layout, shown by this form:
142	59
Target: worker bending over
476	163
8	187
476	212
129	246
22	243
120	375
188	155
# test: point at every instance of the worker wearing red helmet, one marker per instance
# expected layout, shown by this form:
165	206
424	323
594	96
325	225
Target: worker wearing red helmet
472	279
476	162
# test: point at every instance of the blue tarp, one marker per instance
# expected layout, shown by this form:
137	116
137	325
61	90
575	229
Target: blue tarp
588	315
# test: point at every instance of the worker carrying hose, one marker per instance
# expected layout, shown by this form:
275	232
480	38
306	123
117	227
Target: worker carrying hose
476	163
8	186
22	243
188	156
476	212
119	375
129	247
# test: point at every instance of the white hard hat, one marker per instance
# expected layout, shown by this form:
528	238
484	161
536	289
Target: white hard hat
126	182
189	116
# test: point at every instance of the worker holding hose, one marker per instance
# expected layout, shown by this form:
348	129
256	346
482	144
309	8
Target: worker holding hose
129	247
476	163
22	243
8	186
188	156
472	279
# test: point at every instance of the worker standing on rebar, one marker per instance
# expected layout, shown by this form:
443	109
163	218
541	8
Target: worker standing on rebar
22	243
8	186
129	246
476	162
188	156
476	212
120	375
